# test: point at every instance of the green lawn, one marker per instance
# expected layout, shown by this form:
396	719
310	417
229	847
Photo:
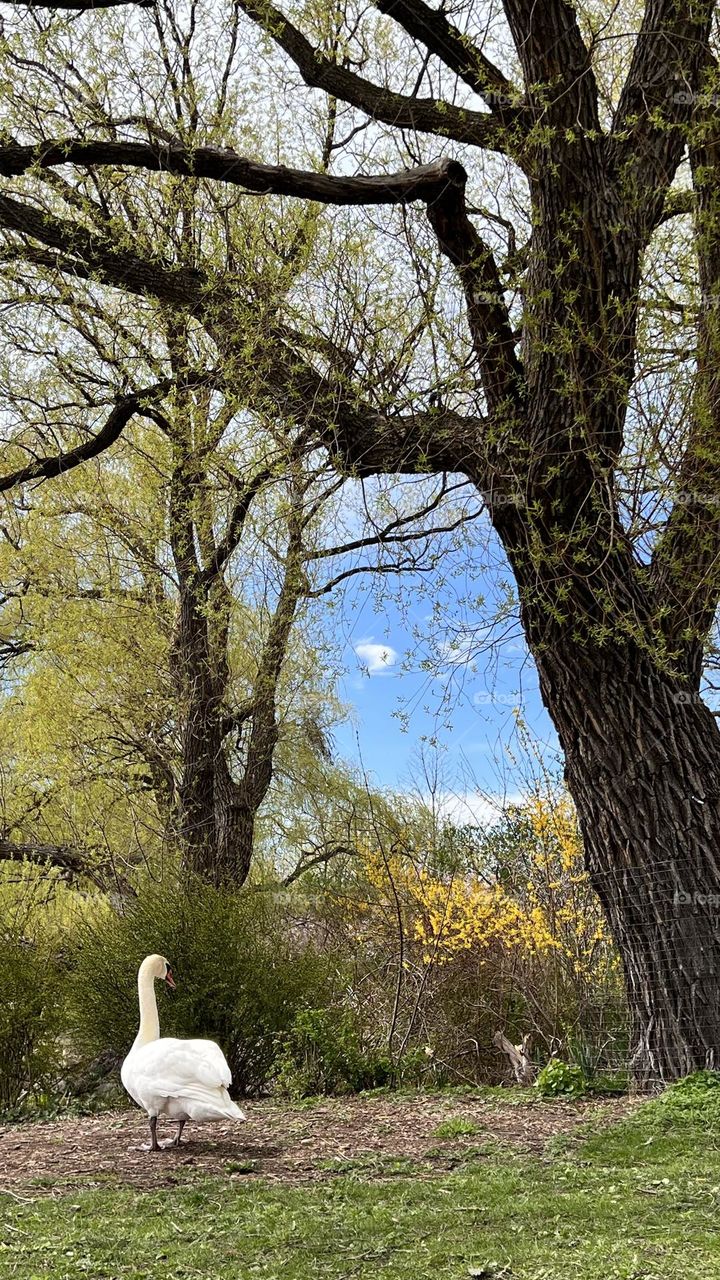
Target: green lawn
640	1202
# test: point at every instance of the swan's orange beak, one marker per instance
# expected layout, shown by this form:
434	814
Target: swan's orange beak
169	979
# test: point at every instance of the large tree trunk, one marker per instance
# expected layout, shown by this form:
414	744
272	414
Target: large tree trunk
643	766
217	815
222	789
235	821
200	695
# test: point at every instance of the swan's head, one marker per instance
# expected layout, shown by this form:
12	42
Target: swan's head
158	967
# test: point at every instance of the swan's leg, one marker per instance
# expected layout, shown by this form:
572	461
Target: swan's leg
154	1144
176	1140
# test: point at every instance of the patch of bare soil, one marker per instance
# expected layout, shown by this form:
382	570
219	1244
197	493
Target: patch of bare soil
375	1136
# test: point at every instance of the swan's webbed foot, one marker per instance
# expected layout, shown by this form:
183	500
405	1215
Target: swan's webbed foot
176	1140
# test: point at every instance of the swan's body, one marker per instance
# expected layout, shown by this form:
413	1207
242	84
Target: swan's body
180	1079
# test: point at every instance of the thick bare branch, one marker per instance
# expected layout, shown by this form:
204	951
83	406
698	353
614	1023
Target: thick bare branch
457	51
78	5
71	862
86	253
47	468
488	317
225	165
686	562
556	64
657	102
363	441
427	115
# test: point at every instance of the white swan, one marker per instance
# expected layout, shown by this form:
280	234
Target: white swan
181	1079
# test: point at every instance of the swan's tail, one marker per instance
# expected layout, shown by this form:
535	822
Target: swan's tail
211	1104
232	1109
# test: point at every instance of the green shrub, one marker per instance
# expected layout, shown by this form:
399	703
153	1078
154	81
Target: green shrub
561	1080
31	980
242	974
322	1053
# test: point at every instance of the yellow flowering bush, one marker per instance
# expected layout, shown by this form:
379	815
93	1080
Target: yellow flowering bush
451	916
543	904
490	929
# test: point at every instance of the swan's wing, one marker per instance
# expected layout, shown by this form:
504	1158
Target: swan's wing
174	1066
210	1059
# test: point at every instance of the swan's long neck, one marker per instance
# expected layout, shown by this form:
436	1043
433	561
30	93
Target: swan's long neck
149	1022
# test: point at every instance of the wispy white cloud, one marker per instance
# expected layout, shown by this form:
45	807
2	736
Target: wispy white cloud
379	659
475	808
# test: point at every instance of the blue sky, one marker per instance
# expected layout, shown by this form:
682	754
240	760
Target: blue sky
396	704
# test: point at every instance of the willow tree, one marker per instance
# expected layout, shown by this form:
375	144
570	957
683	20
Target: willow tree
572	133
160	681
159	593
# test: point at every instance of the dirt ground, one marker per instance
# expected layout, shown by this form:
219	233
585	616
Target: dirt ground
375	1136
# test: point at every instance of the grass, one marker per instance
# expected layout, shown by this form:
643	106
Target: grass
639	1202
457	1127
377	1165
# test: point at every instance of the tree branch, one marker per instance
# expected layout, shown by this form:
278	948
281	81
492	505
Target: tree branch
686	561
308	860
222	164
457	51
391	534
678	204
427	115
79	5
492	333
365	440
89	254
556	64
657	102
236	523
48	468
70	861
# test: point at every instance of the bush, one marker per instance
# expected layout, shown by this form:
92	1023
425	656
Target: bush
456	934
561	1080
30	1003
242	974
323	1053
610	1082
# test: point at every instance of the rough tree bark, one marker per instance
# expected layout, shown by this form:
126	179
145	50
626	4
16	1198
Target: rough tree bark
219	808
218	802
618	642
71	862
